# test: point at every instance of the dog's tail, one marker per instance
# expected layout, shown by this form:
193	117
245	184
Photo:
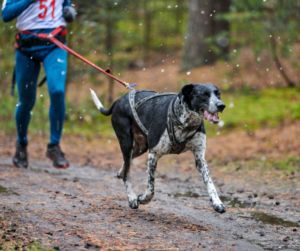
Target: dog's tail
99	105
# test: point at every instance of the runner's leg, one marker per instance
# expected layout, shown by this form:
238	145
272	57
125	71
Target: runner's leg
55	65
27	72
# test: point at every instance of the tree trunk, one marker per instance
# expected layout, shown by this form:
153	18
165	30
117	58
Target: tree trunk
196	52
109	50
147	29
278	64
202	25
221	28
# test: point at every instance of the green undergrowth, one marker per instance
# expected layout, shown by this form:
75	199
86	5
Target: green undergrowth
34	246
288	166
10	239
244	111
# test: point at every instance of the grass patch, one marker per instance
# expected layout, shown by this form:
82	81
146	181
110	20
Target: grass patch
35	246
289	166
244	111
11	240
253	110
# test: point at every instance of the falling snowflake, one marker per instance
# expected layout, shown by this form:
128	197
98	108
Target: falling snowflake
221	123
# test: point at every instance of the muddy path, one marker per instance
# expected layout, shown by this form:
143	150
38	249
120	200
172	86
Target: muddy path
86	208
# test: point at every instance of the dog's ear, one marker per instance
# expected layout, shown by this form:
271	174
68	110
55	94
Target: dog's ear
185	92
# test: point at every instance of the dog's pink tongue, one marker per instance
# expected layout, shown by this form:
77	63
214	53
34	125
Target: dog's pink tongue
205	114
208	116
211	117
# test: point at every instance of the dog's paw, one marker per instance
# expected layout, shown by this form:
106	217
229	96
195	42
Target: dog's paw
142	199
133	204
120	175
220	208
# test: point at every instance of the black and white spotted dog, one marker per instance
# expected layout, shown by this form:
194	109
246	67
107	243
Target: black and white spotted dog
164	124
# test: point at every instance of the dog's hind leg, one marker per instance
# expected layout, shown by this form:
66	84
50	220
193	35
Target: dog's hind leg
138	150
120	173
149	194
125	137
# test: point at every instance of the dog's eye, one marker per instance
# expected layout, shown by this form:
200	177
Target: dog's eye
204	95
218	94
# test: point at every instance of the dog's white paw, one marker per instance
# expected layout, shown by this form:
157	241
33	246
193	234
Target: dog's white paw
219	207
133	204
142	199
120	175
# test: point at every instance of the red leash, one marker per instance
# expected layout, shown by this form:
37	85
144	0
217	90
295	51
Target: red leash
54	40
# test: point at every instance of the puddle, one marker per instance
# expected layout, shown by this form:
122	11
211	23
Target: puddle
231	202
188	194
236	203
266	246
6	191
269	219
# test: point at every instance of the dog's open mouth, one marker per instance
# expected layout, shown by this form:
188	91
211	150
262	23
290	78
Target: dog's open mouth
211	117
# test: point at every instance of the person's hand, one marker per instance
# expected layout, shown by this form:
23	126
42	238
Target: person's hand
69	14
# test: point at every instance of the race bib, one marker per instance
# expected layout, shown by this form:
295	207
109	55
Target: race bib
42	14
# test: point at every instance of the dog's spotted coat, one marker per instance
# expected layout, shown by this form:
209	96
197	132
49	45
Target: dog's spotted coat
192	105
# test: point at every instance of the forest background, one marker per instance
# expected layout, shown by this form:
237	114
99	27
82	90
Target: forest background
249	49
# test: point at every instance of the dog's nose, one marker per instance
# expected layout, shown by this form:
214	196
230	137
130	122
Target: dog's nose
221	106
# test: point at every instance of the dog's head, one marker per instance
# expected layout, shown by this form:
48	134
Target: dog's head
203	99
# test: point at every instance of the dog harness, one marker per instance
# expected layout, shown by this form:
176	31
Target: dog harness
172	119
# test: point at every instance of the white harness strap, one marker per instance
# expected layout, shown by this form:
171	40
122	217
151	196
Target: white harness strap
136	117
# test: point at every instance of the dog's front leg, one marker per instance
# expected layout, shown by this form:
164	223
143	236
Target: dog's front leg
203	170
149	194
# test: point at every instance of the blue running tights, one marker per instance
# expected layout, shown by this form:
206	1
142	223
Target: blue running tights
27	71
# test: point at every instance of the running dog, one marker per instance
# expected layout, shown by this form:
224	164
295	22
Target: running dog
164	123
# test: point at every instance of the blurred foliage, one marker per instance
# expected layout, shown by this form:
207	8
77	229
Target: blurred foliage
122	34
265	25
109	27
254	22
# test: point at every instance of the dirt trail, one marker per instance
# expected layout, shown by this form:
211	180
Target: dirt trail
86	208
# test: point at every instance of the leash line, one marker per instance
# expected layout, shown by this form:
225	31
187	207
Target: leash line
54	40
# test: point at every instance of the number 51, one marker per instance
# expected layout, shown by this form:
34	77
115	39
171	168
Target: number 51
44	7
